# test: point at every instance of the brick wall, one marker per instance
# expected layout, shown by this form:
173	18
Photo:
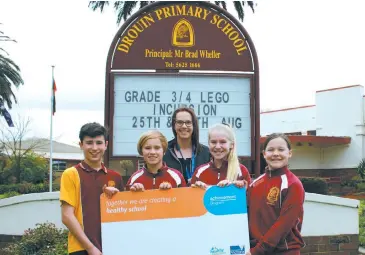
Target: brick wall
344	173
334	245
333	177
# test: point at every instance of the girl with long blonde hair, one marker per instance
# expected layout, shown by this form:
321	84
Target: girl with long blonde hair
224	169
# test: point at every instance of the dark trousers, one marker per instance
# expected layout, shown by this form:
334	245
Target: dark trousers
79	253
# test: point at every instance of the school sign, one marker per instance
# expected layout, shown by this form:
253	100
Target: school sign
173	54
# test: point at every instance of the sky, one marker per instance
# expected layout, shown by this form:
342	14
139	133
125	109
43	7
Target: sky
302	47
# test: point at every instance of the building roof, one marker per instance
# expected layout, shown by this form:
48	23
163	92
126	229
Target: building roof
288	109
63	156
60	151
316	141
344	87
307	106
44	146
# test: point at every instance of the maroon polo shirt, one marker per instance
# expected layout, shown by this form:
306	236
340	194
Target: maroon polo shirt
81	187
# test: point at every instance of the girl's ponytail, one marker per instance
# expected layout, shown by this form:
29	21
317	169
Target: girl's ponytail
233	165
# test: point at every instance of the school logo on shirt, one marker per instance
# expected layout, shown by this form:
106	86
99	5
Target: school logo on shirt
273	195
111	183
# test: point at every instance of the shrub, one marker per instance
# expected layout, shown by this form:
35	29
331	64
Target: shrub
352	182
45	239
30	168
315	185
362	223
8	188
361	169
360	187
34	168
25	188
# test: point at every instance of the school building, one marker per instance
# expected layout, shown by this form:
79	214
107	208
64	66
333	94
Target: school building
328	137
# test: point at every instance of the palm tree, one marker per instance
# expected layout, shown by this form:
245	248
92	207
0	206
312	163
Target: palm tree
9	75
124	8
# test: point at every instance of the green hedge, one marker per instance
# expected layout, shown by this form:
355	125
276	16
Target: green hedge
315	185
25	188
360	187
353	182
362	223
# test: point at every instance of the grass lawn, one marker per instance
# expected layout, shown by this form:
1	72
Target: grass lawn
9	194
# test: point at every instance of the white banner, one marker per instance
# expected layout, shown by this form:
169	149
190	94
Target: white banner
182	221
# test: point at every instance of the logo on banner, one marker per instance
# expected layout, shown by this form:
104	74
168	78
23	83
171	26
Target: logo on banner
237	249
217	251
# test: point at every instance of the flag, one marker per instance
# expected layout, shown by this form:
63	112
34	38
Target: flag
54	89
6	114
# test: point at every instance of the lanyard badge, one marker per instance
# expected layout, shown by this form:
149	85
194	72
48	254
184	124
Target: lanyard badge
189	172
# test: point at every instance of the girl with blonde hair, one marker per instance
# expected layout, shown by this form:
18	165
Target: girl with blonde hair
152	145
224	169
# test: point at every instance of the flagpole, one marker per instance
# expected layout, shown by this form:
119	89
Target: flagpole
51	136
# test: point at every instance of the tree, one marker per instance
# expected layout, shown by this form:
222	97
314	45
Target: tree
361	168
34	169
125	8
19	151
127	166
9	74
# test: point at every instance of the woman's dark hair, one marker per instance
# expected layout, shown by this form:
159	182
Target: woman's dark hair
93	130
195	135
274	136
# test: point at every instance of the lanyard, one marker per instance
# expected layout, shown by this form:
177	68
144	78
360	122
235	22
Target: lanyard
189	172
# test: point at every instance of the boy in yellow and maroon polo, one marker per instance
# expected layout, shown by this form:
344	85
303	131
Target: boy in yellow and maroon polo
81	187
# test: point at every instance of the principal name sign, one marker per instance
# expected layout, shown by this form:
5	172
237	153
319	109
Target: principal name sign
173	54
